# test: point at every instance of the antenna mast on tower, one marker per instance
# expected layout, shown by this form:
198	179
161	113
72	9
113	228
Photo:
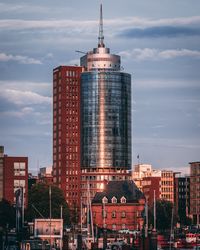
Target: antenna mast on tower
101	37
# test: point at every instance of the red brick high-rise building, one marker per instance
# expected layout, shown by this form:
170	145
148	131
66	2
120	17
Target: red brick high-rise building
66	132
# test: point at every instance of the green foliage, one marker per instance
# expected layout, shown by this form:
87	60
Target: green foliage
7	214
163	215
39	203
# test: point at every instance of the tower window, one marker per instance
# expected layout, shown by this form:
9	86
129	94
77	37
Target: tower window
104	200
114	199
123	200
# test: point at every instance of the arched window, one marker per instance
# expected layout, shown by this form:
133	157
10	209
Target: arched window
123	199
114	199
114	214
123	214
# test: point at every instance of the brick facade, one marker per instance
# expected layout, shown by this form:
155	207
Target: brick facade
66	132
15	176
119	207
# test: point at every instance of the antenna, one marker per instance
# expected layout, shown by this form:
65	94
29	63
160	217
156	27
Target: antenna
81	52
101	37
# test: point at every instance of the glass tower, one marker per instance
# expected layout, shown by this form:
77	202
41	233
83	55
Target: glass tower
105	117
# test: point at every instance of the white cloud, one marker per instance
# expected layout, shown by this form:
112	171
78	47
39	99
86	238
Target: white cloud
24	97
18	113
79	25
18	58
26	8
156	54
139	22
27	110
40	87
20	24
167	54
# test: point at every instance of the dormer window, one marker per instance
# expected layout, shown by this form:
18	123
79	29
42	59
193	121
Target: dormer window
104	200
123	199
114	199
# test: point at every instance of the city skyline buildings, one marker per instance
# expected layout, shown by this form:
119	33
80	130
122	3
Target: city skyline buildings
91	123
165	67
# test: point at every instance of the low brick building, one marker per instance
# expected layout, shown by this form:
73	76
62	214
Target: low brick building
149	185
13	176
120	206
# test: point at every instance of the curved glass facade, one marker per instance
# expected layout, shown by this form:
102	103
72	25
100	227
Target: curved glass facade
106	119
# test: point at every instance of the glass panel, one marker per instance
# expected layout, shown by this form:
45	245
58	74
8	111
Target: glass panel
106	119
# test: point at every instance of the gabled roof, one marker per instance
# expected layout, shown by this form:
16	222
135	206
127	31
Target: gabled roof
126	188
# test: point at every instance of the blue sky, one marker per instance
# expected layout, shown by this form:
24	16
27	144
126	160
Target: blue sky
159	45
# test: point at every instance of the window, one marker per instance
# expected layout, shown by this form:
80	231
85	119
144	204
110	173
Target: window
138	213
114	227
104	200
114	199
123	215
114	214
19	168
19	183
123	226
123	200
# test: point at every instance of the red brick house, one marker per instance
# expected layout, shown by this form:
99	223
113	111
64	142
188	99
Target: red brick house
15	177
120	206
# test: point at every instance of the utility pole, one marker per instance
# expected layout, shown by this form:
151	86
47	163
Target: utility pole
50	213
154	210
61	216
147	219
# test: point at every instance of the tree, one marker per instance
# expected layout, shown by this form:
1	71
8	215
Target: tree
7	214
163	215
39	203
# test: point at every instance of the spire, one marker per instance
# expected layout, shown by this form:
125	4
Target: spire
101	37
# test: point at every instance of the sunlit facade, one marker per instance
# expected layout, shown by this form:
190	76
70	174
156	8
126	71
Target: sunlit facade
105	119
91	124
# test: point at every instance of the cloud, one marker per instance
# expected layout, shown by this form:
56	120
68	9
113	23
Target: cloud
156	54
40	87
18	113
20	24
168	54
159	31
5	7
24	97
28	7
140	22
18	58
78	25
